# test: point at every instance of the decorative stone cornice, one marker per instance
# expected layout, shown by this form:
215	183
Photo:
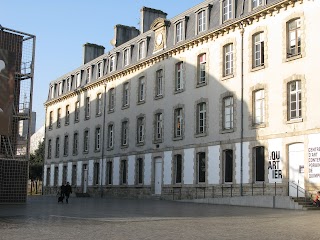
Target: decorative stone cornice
212	34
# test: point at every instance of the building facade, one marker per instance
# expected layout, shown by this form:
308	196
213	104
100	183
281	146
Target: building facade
217	100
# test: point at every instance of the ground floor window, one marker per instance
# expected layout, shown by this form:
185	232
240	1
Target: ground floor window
109	173
201	167
178	168
228	166
96	170
74	175
259	162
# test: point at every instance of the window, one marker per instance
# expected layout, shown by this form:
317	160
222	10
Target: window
68	84
226	10
179	77
86	141
110	136
140	130
50	119
179	32
202	21
256	3
75	143
77	111
258	50
159	83
228	113
177	168
142	50
78	79
88	75
123	169
294	103
48	177
99	70
125	100
228	166
201	118
228	59
74	175
126	57
99	104
57	147
56	175
96	173
202	69
97	142
66	145
201	167
111	99
87	108
64	174
141	90
49	148
59	118
178	121
158	126
139	171
258	107
259	163
112	64
294	38
124	133
67	119
109	173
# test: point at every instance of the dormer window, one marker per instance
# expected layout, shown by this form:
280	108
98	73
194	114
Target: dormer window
179	32
68	84
202	19
99	70
112	63
142	50
126	57
78	79
88	75
180	29
227	10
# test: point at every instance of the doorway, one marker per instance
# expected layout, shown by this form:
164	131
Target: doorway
85	177
296	170
158	176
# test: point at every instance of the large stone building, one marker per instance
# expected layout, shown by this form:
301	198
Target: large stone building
218	100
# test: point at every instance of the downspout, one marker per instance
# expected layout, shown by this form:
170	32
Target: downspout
103	136
241	122
45	152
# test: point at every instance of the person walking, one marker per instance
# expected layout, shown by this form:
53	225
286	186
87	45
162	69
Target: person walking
67	191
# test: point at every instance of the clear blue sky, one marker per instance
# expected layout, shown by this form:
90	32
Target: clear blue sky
63	26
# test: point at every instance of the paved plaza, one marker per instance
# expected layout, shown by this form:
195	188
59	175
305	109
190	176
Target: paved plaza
119	219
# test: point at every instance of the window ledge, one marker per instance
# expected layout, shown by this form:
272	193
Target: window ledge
125	107
109	148
201	84
110	110
124	146
258	68
86	118
158	97
85	152
200	135
74	154
227	131
178	91
139	185
157	141
141	102
50	128
177	185
98	115
140	144
65	155
97	150
76	121
294	57
66	124
261	125
227	77
296	120
177	138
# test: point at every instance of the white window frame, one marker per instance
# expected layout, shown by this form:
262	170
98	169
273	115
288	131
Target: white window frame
99	104
126	56
201	118
111	99
228	113
66	145
179	31
110	135
141	89
179	76
228	59
178	122
77	111
158	126
57	152
258	49
257	3
295	100
59	117
78	79
259	107
159	83
124	133
202	21
86	140
125	98
140	130
97	144
67	118
227	10
202	66
112	63
142	49
87	108
99	70
75	145
294	37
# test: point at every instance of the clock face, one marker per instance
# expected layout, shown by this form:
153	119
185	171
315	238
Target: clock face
159	38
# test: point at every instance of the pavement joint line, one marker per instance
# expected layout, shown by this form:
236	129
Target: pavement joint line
140	219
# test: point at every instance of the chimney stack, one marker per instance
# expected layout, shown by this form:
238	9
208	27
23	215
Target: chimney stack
123	34
91	51
148	15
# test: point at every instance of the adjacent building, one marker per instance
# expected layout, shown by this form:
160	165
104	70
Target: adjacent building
219	100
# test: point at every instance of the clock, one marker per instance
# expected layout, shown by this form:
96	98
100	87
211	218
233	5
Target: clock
159	39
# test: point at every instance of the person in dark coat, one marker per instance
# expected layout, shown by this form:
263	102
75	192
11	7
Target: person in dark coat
67	191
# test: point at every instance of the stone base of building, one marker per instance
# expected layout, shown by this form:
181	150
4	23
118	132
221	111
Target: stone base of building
13	180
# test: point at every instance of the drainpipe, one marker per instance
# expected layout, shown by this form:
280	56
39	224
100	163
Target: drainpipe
241	131
103	136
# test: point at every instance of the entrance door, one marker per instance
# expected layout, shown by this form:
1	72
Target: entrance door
296	170
85	178
158	176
